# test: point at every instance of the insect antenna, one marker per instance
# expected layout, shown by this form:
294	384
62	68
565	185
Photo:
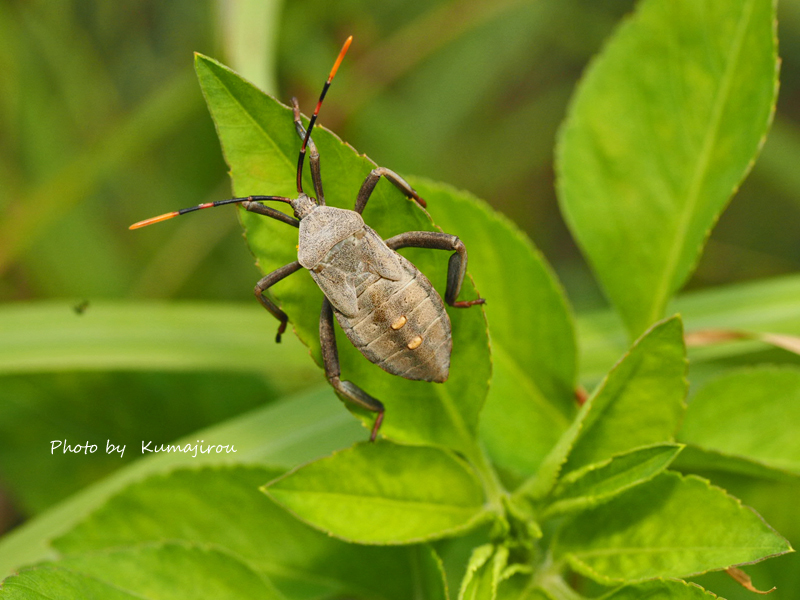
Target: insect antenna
183	211
313	120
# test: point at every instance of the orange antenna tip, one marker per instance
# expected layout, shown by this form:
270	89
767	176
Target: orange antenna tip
152	220
339	59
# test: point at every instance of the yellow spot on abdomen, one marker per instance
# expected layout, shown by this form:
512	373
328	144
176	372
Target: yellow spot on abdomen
414	343
399	322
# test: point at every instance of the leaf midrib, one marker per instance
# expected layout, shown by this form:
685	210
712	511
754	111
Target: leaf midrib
383	500
702	165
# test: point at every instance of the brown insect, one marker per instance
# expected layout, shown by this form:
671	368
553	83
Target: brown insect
386	307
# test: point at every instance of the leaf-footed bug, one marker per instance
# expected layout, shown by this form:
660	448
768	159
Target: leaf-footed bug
386	307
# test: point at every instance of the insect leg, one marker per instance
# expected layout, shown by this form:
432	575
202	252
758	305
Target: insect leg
255	207
457	267
330	357
270	280
372	180
313	155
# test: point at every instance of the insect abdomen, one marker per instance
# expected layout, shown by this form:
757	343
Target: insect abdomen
401	326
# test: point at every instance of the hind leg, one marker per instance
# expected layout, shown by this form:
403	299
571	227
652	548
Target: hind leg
330	358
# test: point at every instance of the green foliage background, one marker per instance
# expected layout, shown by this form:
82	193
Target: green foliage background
102	124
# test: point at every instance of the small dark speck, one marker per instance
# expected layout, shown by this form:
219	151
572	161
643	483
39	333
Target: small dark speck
81	307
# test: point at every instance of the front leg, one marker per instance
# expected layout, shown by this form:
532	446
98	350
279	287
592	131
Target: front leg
313	155
372	180
269	280
255	207
330	358
456	268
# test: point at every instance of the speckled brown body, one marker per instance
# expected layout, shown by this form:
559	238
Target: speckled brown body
384	304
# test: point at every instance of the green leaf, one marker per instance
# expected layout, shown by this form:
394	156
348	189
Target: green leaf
222	507
599	482
165	571
531	400
744	414
672	526
483	574
663	129
660	589
295	430
384	494
640	402
50	336
774	501
261	146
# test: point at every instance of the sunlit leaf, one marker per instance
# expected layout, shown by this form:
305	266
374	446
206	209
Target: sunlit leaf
673	526
664	127
599	482
384	494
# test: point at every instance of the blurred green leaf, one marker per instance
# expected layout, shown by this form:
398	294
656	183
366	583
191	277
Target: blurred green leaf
261	145
166	571
42	337
155	118
599	482
766	306
531	399
640	402
221	507
744	414
250	31
384	493
283	434
672	526
663	129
